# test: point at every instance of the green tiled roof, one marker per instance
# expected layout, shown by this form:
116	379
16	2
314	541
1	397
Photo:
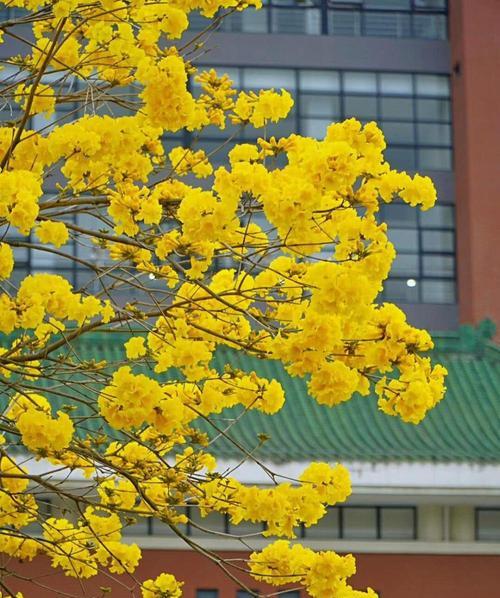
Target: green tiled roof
465	426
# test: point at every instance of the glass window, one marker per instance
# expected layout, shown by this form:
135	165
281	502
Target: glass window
433	85
434	159
314	80
399	290
207	593
387	24
430	4
267	78
398	132
438	291
397	523
342	22
143	527
360	82
246	528
434	110
360	106
405	264
488	525
300	20
439	265
400	215
248	21
327	527
314	127
162	529
359	523
47	259
437	240
396	108
388	4
212	522
396	84
404	239
402	158
429	26
434	134
438	217
320	105
45	510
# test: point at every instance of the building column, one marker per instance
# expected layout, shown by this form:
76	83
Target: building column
430	523
475	48
462	523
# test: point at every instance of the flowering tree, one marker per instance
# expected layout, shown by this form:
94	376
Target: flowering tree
83	166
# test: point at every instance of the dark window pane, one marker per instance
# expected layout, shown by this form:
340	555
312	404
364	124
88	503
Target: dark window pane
343	22
327	527
404	239
402	158
360	106
360	82
399	215
438	291
429	26
268	78
207	593
405	264
435	110
434	240
359	523
434	134
433	85
488	525
387	24
388	4
320	105
395	108
162	529
315	80
430	4
434	159
296	21
314	127
141	528
438	217
397	523
399	290
246	528
396	84
398	132
439	265
212	522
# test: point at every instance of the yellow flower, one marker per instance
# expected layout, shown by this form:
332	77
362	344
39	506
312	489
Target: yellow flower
135	348
161	587
52	232
6	260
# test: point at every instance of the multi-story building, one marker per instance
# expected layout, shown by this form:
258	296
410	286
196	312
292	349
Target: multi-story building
424	519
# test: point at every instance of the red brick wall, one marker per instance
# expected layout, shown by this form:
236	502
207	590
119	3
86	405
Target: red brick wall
394	576
475	44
